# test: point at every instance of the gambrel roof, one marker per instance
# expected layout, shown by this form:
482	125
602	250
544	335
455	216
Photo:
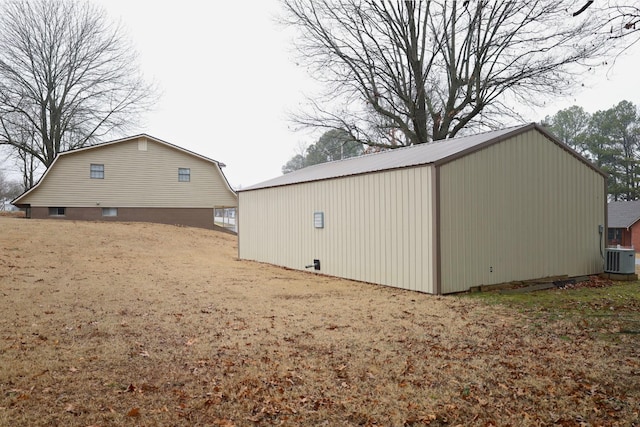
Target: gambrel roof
219	165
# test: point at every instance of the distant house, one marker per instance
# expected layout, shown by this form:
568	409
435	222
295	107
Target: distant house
508	205
623	221
139	178
5	205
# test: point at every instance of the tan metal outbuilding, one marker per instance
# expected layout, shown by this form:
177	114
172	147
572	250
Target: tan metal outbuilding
501	206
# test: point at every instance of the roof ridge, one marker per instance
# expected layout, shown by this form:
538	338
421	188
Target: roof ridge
439	151
422	144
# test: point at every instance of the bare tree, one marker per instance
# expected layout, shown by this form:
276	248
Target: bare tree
622	18
26	142
623	22
67	78
9	190
413	71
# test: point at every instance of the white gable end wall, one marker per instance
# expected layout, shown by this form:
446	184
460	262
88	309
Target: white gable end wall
372	231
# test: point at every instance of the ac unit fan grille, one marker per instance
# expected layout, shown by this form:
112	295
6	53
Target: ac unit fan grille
621	261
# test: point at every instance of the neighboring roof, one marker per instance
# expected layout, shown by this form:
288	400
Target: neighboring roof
623	214
437	152
220	165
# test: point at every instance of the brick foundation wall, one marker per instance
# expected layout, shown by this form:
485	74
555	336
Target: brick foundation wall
192	217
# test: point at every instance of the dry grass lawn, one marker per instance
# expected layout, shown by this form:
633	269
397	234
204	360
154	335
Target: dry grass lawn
140	324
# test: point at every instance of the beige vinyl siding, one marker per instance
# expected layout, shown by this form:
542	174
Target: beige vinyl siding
132	178
525	207
378	227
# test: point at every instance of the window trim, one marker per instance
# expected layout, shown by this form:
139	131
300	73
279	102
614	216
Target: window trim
184	174
96	171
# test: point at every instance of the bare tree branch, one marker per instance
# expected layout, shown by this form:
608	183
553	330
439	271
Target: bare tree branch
67	77
428	69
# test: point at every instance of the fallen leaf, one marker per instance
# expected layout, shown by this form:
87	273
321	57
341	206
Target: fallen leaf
256	418
135	412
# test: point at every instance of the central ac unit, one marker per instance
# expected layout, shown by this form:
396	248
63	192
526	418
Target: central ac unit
620	260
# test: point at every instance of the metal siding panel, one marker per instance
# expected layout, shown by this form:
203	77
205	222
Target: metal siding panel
411	216
392	229
372	228
528	208
417	233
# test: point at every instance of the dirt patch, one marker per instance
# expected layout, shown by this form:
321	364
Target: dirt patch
145	324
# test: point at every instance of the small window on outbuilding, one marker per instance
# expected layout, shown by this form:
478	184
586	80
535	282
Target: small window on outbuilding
97	171
109	211
184	174
56	211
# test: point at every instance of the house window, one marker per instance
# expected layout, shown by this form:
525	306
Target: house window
184	174
56	211
97	171
109	211
614	236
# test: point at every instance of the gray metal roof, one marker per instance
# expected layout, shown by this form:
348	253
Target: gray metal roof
416	155
623	214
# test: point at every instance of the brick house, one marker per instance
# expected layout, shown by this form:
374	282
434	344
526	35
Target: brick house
623	222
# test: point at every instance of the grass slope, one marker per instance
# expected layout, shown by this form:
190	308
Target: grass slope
140	324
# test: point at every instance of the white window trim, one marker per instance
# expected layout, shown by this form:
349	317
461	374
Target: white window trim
98	170
182	174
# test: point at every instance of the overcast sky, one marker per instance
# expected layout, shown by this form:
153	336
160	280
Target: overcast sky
228	78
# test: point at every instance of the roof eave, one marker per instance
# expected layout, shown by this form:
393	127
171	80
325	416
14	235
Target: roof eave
253	188
519	131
